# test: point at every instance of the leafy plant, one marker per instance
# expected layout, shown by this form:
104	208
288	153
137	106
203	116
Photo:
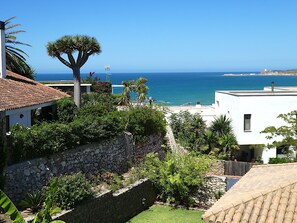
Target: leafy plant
10	209
41	140
145	121
188	129
33	201
177	176
283	135
50	208
44	216
71	190
277	160
66	110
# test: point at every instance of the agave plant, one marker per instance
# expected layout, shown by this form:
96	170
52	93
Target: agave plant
34	201
43	216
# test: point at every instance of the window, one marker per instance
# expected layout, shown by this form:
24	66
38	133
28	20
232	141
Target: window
247	122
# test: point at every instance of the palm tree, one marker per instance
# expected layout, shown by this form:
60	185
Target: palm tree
83	46
221	125
128	88
141	89
15	57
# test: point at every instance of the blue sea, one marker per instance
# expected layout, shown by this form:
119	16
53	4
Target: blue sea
186	88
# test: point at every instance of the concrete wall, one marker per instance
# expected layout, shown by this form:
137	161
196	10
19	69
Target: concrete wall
114	208
112	155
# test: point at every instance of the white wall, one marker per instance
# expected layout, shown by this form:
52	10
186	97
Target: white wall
263	109
21	117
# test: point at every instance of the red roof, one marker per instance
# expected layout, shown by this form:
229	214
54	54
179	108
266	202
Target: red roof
17	91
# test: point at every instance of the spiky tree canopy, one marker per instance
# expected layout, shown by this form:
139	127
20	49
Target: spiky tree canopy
66	47
85	46
15	57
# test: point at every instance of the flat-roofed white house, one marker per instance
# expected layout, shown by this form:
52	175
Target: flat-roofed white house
251	112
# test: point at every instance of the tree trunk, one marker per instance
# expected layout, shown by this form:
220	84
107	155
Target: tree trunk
77	91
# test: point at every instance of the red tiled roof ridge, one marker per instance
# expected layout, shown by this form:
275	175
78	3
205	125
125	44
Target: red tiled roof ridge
18	92
233	205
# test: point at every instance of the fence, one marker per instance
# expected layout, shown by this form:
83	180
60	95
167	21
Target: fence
236	168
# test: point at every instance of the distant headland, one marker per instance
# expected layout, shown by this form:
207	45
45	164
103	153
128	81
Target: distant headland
291	72
266	72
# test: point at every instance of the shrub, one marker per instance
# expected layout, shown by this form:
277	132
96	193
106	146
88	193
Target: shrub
145	121
177	176
108	100
72	190
278	160
188	129
91	128
41	140
66	109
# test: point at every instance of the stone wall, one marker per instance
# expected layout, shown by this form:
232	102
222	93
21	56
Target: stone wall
217	168
205	197
152	144
118	207
112	155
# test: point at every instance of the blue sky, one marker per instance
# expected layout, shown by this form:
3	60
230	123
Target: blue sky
163	35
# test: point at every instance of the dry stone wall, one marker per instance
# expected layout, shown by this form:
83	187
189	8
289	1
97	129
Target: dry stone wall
208	194
112	155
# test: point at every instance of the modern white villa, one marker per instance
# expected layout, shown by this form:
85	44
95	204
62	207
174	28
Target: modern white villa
251	111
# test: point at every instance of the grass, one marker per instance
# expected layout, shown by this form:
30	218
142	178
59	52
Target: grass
161	214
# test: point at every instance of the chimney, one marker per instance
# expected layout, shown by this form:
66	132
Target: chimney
2	50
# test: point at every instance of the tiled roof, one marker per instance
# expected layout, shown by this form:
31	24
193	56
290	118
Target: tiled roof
17	91
267	193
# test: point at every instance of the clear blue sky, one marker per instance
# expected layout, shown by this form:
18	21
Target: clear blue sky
163	35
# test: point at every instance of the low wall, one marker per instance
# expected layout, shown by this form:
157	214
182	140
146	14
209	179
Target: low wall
205	197
116	208
112	155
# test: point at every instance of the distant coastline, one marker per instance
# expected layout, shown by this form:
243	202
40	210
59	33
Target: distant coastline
266	72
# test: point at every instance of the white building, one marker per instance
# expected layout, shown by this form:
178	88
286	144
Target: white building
251	112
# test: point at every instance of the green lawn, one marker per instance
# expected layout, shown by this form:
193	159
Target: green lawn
163	214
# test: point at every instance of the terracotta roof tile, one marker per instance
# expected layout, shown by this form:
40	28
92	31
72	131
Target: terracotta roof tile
267	193
17	91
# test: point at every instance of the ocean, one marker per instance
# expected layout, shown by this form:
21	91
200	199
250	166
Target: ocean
186	88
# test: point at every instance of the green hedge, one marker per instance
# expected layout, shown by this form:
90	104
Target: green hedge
97	120
41	140
145	121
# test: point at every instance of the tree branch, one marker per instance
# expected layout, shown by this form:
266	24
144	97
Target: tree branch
65	62
71	59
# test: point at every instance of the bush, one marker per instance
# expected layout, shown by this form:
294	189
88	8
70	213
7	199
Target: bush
66	110
145	121
177	176
188	129
91	128
72	190
278	160
108	100
41	140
